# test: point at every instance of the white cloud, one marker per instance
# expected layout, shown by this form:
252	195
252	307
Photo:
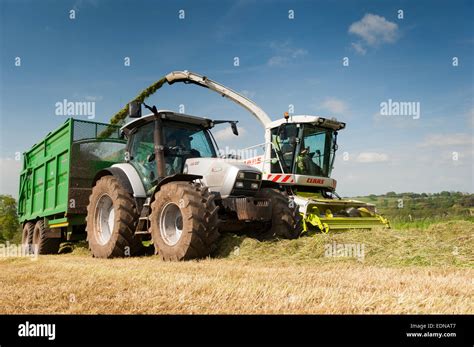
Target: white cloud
359	48
371	157
277	61
373	30
444	140
284	53
226	134
335	105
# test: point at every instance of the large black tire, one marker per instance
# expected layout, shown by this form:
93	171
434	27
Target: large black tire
184	221
116	238
27	237
286	220
41	243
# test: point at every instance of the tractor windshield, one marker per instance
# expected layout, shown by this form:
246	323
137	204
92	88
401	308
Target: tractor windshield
181	141
303	149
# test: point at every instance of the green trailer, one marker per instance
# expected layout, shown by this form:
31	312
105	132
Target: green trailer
56	180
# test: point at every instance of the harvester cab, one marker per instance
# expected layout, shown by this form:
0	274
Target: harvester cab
300	157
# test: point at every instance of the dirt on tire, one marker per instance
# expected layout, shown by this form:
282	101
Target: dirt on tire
198	221
122	240
286	219
41	242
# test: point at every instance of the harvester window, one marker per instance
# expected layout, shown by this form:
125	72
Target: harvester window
315	152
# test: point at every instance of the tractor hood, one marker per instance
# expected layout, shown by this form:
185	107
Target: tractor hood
221	175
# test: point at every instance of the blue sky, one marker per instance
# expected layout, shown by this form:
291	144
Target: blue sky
282	61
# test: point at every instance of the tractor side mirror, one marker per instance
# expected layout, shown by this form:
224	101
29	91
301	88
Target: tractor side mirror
233	125
135	109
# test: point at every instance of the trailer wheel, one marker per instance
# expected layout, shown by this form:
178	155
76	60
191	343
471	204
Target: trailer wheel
42	244
111	220
286	220
27	237
184	223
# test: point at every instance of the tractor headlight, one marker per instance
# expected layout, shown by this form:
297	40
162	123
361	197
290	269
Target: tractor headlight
239	184
241	175
254	185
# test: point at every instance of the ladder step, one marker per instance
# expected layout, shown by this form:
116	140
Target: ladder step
143	232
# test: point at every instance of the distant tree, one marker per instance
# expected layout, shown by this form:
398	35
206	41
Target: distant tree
391	194
373	197
8	217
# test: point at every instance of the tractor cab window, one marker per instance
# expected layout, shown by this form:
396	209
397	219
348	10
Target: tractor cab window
181	142
185	141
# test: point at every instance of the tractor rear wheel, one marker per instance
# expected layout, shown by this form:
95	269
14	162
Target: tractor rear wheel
41	242
184	222
111	220
27	237
286	220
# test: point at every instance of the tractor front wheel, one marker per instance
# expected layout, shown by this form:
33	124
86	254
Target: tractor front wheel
111	220
184	222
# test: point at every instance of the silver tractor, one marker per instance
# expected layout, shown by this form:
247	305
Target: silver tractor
174	190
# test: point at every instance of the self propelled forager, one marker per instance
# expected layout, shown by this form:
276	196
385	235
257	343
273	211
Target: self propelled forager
298	155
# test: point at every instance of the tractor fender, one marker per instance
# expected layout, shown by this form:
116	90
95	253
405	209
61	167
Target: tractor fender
174	178
127	176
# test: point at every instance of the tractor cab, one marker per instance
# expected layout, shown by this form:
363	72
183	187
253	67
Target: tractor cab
183	137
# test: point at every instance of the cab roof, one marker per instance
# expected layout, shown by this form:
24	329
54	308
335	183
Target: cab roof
167	115
317	120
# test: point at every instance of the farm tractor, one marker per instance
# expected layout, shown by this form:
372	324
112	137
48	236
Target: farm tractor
164	184
298	155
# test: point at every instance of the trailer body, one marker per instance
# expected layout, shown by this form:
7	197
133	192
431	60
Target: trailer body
57	174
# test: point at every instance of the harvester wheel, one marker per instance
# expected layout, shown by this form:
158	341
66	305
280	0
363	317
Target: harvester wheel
111	220
184	222
41	243
27	236
286	220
